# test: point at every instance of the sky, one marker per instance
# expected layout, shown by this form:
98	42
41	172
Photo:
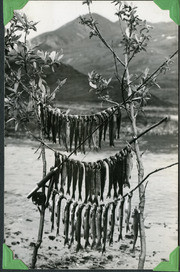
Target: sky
53	14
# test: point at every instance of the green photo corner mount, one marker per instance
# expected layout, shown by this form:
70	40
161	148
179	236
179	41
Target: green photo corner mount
174	10
8	258
173	6
9	262
172	265
9	6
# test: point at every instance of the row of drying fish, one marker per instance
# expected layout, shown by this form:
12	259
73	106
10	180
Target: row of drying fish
72	130
90	180
96	223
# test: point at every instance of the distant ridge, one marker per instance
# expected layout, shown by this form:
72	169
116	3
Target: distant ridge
85	55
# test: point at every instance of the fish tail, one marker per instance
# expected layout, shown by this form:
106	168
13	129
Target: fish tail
111	240
93	244
79	246
109	194
90	199
69	246
87	244
57	232
66	241
80	197
133	249
68	191
120	237
98	246
104	249
62	190
73	195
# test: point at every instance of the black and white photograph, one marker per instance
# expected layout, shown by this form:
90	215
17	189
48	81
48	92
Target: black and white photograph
91	135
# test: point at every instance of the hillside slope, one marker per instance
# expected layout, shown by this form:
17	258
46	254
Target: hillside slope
86	54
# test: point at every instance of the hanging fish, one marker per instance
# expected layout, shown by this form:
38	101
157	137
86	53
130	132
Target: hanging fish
98	179
106	122
63	173
76	137
120	218
90	130
124	164
112	222
99	226
57	173
72	129
119	169
105	222
100	124
80	178
94	135
136	223
86	122
53	128
83	133
78	226
57	124
92	185
87	183
90	181
52	125
64	131
50	188
114	173
129	166
93	225
75	177
66	221
60	128
80	138
53	210
61	197
69	175
110	176
103	178
107	176
128	211
86	225
111	129
49	123
45	113
118	122
42	116
72	231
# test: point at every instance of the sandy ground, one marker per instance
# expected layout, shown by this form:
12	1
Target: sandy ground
21	217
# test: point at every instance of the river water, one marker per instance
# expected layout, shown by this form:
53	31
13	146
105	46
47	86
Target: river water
23	170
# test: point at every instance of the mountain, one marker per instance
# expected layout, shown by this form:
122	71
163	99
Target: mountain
85	54
76	88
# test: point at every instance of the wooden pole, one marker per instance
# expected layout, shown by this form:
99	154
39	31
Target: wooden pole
42	214
42	209
142	255
52	172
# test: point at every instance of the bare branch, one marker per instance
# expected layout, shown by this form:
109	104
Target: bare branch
151	173
164	63
51	173
104	41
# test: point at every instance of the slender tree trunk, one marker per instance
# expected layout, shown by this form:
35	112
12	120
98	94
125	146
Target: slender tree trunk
142	255
42	212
